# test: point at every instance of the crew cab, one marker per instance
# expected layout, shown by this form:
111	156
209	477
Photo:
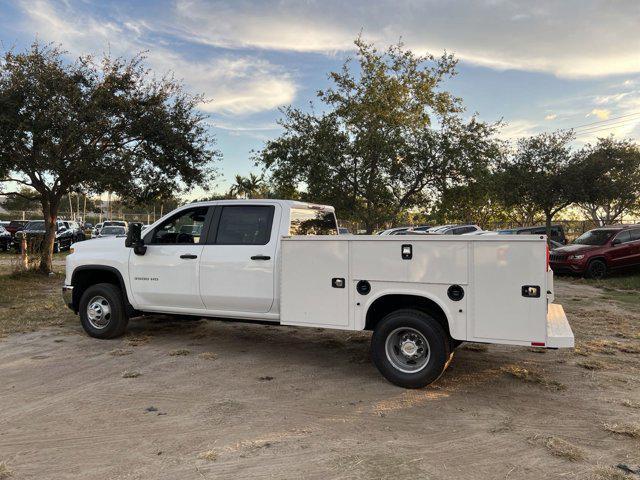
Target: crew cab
283	262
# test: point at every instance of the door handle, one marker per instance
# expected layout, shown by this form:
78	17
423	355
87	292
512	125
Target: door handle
261	257
189	256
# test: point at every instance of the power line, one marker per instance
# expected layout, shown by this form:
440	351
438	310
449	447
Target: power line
607	120
610	125
598	129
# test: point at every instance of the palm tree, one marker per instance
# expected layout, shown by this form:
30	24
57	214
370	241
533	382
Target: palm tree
248	187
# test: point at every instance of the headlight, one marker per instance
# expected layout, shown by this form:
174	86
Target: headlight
576	257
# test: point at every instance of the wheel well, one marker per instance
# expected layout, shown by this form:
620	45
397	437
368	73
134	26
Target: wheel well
598	258
84	278
389	303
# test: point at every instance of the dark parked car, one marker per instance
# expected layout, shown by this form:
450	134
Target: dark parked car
64	236
5	239
557	232
15	226
598	251
77	232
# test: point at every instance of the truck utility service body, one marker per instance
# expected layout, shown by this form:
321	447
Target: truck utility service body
282	261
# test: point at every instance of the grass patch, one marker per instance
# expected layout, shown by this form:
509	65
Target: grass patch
180	352
591	364
627	429
30	301
630	404
4	471
208	355
475	347
120	352
532	376
609	473
130	374
137	340
561	448
209	455
621	280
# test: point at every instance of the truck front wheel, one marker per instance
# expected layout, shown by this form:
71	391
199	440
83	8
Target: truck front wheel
410	348
102	311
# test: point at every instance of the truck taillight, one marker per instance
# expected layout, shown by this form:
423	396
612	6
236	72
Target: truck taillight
547	257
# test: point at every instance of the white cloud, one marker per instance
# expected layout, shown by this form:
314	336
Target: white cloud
551	116
602	114
236	84
572	38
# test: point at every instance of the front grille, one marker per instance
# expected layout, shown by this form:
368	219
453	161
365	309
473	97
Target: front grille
557	257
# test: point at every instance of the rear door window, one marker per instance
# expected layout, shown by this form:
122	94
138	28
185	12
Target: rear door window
307	221
635	234
245	225
624	237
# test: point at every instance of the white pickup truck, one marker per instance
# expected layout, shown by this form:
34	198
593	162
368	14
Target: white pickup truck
282	261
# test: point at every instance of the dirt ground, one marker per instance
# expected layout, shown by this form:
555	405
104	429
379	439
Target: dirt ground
210	399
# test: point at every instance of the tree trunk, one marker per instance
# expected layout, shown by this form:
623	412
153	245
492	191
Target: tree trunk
548	218
50	212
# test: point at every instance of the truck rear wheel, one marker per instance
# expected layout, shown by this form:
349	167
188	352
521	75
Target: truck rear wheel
410	348
102	311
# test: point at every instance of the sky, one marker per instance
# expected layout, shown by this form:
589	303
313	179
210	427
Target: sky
537	65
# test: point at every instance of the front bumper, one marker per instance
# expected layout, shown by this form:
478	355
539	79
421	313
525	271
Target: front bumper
566	267
67	295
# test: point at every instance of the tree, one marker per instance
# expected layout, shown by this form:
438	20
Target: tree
609	179
252	186
391	135
25	199
94	127
540	175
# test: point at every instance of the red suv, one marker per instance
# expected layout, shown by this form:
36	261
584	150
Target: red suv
597	251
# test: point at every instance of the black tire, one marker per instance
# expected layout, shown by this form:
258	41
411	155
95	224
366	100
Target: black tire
115	322
408	320
596	269
56	247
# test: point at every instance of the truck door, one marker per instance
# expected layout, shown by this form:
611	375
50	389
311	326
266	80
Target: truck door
166	276
237	264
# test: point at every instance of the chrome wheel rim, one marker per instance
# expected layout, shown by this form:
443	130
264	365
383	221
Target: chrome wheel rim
98	312
407	350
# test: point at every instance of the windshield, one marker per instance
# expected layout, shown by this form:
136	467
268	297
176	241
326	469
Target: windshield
37	225
113	231
594	237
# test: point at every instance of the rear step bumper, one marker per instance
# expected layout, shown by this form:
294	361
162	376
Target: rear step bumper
559	334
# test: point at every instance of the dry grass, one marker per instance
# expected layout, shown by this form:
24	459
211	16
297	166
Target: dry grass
629	348
630	404
208	355
209	455
591	364
137	340
120	352
130	374
180	352
475	347
531	376
30	301
4	471
627	429
609	473
561	448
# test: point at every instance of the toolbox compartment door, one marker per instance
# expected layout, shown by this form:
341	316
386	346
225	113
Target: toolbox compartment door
315	285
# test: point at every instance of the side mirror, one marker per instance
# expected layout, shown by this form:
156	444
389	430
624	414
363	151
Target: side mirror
134	239
616	241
